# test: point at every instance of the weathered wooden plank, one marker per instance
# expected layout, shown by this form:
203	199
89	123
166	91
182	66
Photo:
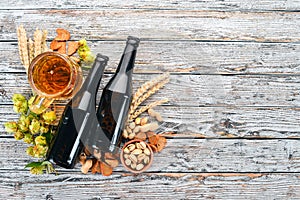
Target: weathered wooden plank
188	57
248	5
196	155
158	24
20	185
198	90
213	122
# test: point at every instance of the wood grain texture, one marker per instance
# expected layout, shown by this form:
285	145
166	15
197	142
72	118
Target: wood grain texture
187	57
18	184
248	5
234	96
196	155
198	90
117	24
213	122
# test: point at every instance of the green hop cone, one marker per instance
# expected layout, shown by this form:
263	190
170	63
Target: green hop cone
34	126
28	138
85	53
40	151
30	101
24	123
20	103
19	135
18	97
44	129
29	151
49	117
40	140
11	127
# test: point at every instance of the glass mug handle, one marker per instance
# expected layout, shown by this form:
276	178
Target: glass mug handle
40	104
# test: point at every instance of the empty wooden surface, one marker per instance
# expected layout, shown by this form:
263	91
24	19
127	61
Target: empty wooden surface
234	95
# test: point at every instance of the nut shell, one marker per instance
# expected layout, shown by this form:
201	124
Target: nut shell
140	162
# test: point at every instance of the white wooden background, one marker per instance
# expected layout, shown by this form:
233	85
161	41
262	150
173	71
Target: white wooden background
234	90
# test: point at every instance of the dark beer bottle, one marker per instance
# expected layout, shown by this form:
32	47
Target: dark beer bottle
77	117
115	101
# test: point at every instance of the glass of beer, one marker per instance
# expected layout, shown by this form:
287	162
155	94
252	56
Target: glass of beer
53	76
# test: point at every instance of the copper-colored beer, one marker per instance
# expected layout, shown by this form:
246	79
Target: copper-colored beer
53	76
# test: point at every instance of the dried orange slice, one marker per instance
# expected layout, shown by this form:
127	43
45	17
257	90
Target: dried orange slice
106	170
72	47
62	34
153	139
55	45
63	48
153	147
161	143
96	168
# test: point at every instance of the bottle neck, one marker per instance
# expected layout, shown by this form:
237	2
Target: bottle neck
126	63
93	79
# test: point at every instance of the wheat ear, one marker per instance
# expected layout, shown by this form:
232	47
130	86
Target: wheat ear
147	85
146	95
30	49
37	37
147	107
44	41
23	47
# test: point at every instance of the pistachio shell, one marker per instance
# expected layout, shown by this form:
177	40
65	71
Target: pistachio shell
139	166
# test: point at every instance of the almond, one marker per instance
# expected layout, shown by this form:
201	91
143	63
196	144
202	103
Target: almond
141	136
86	166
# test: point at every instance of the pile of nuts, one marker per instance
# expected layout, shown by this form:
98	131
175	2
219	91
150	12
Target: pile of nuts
136	156
98	162
142	139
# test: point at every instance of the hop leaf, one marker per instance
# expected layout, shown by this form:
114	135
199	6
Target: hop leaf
37	170
39	167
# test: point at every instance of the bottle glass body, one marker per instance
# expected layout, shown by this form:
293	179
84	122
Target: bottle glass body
77	118
115	100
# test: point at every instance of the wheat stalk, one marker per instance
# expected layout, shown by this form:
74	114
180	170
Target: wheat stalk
44	42
23	47
37	42
30	49
146	86
145	108
147	94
